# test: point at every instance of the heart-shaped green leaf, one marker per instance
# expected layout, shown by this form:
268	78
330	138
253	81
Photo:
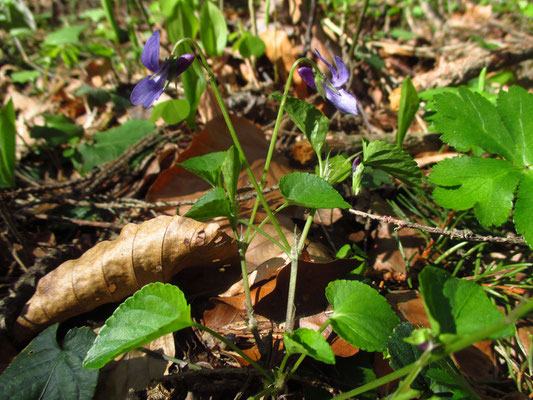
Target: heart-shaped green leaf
361	316
311	191
211	205
311	343
153	311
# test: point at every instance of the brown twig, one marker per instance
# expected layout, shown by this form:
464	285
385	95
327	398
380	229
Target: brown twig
452	233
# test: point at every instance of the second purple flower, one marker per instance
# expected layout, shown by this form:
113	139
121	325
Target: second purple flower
333	90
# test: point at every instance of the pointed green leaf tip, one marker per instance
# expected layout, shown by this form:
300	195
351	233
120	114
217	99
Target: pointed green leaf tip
155	310
361	316
311	343
389	158
311	191
457	306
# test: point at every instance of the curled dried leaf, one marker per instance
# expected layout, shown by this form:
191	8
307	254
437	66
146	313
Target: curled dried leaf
112	270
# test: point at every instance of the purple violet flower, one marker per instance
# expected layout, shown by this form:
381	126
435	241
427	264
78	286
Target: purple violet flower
150	88
333	90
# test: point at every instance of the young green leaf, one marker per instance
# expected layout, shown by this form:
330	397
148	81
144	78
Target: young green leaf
457	306
231	169
65	36
308	119
182	23
194	84
409	103
213	29
58	129
207	167
311	191
153	311
389	158
361	316
112	143
211	205
487	184
250	45
309	342
7	144
45	370
336	169
172	111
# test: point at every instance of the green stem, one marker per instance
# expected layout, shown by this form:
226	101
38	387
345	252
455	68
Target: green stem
289	319
107	5
253	363
272	146
262	232
353	47
252	322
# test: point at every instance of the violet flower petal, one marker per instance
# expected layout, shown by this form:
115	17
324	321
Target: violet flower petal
344	74
183	62
343	101
334	72
307	75
149	89
150	54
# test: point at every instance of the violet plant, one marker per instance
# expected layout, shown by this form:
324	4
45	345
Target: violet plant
361	316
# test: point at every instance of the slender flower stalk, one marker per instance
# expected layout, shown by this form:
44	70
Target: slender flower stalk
150	88
332	89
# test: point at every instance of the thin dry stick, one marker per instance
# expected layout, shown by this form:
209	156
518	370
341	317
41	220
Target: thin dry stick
452	233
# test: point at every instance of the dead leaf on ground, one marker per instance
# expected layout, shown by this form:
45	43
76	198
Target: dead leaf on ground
152	251
280	51
270	298
175	183
135	369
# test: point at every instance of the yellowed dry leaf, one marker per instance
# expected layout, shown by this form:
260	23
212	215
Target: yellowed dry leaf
149	252
280	51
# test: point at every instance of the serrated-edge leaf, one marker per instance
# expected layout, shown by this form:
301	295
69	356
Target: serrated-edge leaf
523	211
44	369
211	205
207	166
516	109
402	353
153	311
487	184
467	120
393	160
309	342
361	316
311	191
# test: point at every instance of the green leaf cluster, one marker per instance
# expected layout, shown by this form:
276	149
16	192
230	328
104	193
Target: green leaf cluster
110	144
468	121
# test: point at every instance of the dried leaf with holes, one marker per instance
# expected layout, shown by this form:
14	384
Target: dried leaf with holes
149	252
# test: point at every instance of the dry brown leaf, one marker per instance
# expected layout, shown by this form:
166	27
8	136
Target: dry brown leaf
270	298
135	369
280	52
152	251
176	183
